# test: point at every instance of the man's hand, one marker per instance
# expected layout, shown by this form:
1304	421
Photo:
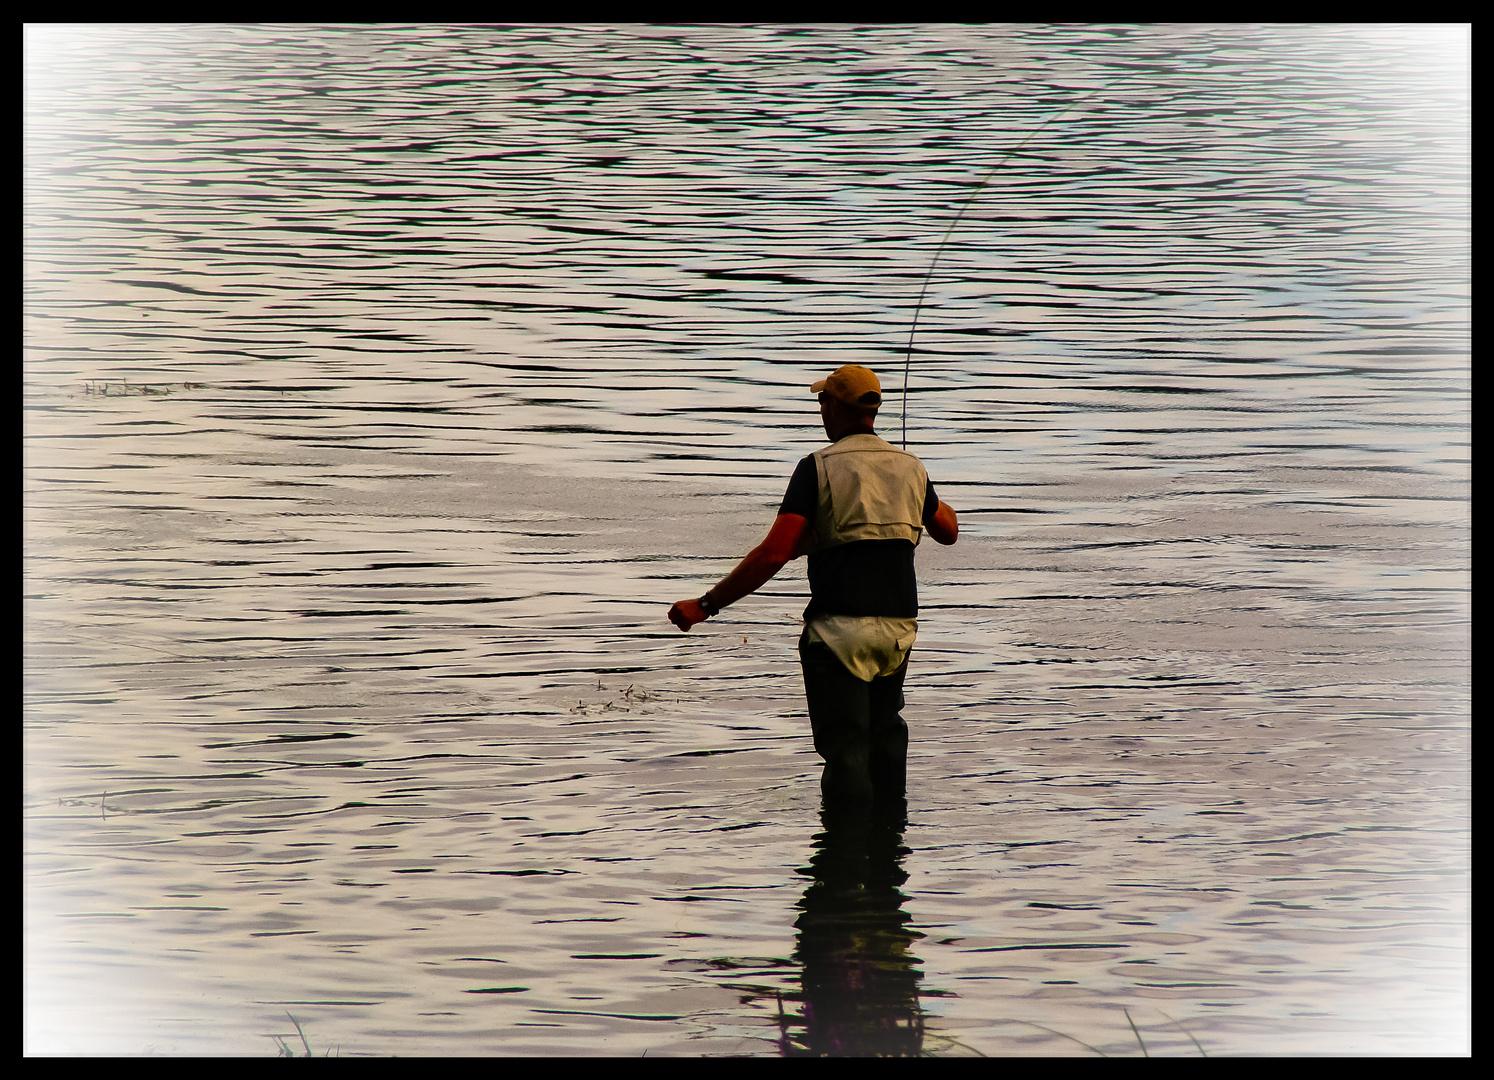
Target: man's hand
785	541
686	613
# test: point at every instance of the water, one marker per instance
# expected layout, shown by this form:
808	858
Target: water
384	385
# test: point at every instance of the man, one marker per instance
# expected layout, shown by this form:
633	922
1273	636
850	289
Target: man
857	508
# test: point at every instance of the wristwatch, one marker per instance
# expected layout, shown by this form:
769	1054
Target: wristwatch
709	606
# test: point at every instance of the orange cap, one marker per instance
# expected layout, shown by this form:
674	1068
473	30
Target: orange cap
853	385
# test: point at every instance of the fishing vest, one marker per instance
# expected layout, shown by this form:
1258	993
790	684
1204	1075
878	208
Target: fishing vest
869	490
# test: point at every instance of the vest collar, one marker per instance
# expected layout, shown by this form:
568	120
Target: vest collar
860	435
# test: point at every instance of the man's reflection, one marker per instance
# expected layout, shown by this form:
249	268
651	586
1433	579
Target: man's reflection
860	982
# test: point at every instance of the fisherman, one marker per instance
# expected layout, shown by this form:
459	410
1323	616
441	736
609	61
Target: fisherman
857	508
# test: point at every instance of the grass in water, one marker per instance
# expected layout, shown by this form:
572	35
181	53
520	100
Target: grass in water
1134	1031
286	1050
125	388
1186	1032
1062	1035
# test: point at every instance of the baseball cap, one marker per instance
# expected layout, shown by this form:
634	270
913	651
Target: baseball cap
852	385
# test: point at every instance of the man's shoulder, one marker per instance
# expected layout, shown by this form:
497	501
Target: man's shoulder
803	489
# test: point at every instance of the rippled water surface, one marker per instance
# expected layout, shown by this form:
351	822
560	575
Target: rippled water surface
384	385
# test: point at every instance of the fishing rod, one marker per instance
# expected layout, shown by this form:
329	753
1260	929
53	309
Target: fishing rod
929	277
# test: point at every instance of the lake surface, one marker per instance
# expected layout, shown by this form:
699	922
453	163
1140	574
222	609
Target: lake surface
384	385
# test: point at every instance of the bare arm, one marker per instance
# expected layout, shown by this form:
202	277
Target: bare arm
785	541
945	528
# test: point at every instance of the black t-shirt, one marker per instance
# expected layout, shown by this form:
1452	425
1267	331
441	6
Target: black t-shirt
864	577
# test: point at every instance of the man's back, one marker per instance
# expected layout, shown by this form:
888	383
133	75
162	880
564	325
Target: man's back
867	504
868	490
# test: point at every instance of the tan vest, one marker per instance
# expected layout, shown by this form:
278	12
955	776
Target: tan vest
869	490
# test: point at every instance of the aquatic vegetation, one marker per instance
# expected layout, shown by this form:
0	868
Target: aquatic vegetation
124	388
287	1050
948	1041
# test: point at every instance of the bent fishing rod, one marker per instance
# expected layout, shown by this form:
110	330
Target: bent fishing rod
969	201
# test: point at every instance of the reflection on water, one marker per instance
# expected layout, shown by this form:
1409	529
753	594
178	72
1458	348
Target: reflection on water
860	980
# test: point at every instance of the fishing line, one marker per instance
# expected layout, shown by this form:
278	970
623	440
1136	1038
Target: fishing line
929	277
